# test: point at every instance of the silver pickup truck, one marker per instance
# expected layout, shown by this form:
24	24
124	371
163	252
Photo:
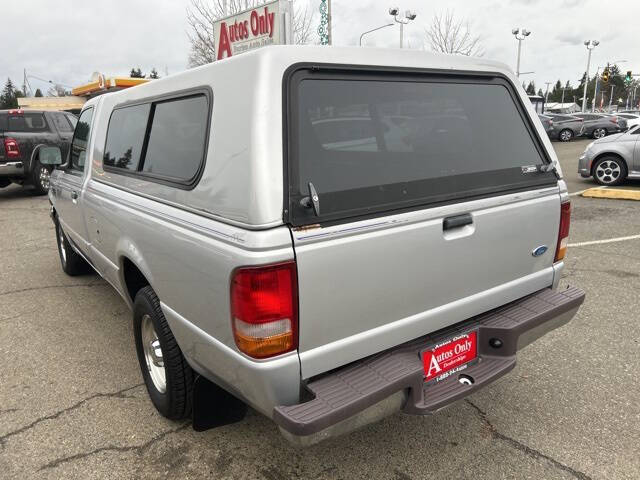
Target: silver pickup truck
327	235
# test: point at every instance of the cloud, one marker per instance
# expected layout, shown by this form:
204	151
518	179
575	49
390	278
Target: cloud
571	38
66	43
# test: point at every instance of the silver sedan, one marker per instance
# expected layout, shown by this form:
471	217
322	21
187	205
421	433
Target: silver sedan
611	160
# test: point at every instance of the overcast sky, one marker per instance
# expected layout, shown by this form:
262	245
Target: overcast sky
68	40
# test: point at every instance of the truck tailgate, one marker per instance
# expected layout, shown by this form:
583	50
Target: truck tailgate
370	285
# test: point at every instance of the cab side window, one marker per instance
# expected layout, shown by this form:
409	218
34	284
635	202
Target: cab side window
81	140
61	122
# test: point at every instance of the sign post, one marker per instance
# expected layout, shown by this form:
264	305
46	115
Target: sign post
268	24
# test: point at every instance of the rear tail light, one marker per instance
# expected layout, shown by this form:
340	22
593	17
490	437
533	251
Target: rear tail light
11	147
264	309
614	119
563	232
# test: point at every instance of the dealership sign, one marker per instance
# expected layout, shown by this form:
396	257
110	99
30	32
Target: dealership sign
268	24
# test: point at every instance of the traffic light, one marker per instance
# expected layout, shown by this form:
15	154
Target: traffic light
628	78
605	74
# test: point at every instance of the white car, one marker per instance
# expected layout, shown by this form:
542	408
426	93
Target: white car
632	119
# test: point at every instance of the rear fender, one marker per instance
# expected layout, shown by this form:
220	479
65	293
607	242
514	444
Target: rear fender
126	248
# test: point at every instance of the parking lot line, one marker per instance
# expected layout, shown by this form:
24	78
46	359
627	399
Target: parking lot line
608	240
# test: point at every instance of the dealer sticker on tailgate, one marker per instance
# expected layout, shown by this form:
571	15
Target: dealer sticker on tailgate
449	357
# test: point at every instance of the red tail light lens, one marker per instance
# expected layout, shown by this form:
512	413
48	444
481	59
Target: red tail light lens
11	147
264	309
614	119
563	232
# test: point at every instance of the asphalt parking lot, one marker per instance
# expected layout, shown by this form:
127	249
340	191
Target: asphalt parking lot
72	402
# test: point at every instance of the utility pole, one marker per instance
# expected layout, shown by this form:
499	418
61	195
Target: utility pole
546	96
590	44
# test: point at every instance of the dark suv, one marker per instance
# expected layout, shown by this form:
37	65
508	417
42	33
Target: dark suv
23	134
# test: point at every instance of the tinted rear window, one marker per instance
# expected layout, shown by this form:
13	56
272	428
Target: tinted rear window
27	122
374	145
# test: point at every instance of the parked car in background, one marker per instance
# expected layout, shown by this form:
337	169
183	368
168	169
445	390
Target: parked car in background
613	159
547	123
23	134
315	297
566	127
598	125
631	118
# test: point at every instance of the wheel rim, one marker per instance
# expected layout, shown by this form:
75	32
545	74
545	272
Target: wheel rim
153	354
45	177
599	133
566	135
608	171
63	250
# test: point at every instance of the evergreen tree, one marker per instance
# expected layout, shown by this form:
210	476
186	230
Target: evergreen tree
531	88
136	73
8	96
154	74
38	92
540	94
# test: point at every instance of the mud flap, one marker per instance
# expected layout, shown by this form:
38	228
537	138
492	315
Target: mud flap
213	406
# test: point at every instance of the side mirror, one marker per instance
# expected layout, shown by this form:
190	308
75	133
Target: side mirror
50	156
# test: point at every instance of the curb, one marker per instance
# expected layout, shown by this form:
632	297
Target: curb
612	193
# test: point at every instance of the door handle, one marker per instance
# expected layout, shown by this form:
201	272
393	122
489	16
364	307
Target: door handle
457	221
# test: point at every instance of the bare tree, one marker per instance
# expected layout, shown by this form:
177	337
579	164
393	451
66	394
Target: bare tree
447	34
202	14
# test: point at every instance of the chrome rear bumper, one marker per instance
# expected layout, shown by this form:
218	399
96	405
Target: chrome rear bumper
11	169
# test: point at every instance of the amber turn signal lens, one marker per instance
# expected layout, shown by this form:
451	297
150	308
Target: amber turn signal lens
264	309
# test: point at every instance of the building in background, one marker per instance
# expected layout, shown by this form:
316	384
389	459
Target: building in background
97	85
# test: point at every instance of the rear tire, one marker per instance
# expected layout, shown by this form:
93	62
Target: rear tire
40	177
610	171
72	263
565	135
599	133
166	373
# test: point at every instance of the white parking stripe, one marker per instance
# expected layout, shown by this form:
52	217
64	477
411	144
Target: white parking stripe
609	240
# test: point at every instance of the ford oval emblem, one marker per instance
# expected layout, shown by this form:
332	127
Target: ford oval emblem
539	251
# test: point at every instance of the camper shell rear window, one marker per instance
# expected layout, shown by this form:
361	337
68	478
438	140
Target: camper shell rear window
374	142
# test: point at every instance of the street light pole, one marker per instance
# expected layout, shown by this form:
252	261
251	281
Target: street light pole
408	16
590	44
520	34
374	30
